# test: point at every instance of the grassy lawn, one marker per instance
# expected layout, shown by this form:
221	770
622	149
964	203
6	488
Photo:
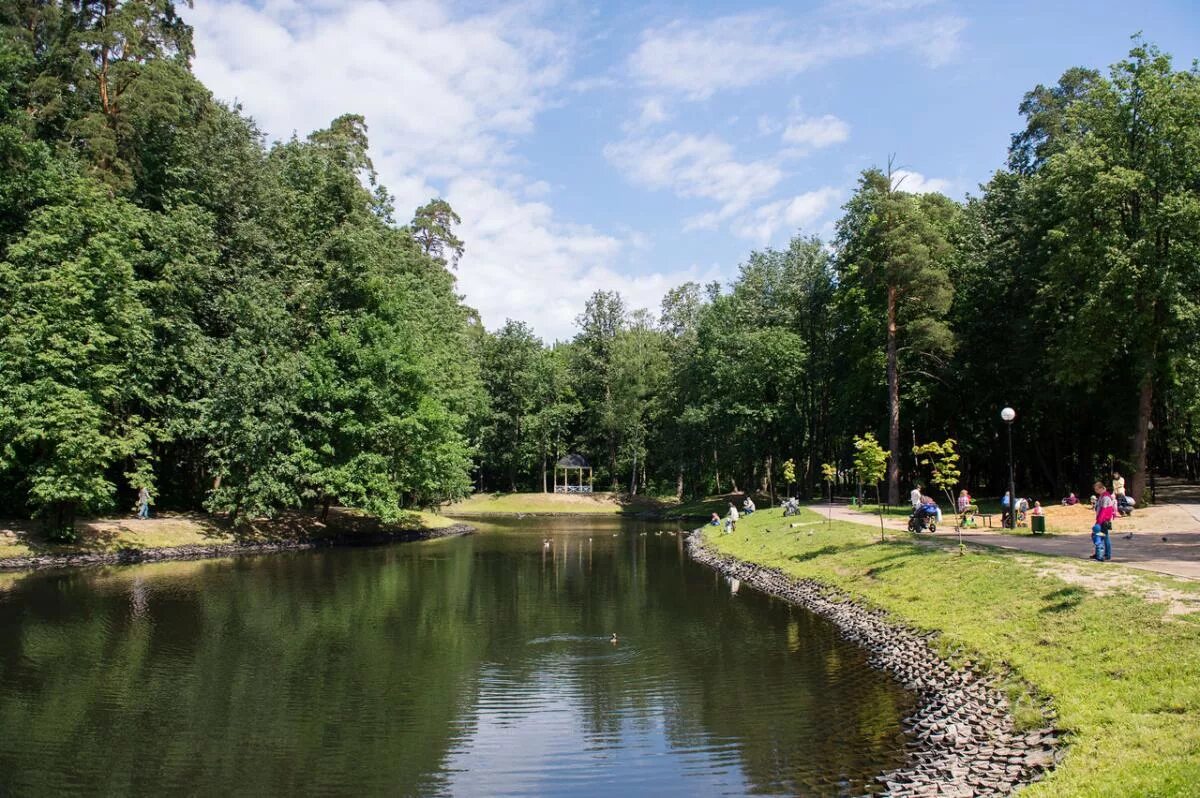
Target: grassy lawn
565	503
1118	653
24	538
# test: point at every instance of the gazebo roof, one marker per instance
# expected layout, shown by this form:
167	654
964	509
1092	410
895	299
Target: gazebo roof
573	461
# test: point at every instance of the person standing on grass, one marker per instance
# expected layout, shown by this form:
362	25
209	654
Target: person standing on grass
1106	508
1005	507
143	502
731	520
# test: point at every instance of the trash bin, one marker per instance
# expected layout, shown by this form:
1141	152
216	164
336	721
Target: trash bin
1037	524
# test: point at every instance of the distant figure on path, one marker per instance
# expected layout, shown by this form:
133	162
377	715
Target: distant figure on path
143	503
1106	508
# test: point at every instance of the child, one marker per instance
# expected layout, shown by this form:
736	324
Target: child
716	520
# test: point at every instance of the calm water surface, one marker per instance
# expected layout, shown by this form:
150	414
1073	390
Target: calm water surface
474	666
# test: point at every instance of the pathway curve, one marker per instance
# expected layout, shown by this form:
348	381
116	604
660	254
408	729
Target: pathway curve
1176	553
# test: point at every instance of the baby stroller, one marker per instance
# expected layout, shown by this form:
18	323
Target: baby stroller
923	519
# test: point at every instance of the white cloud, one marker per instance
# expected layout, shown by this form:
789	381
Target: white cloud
695	167
816	132
542	271
801	211
698	58
445	97
917	183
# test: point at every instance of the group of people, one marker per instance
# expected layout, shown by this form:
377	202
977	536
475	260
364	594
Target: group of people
1022	509
731	518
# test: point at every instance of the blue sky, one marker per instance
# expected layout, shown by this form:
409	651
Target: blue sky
633	146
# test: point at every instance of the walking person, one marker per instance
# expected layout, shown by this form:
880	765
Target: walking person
143	502
1106	508
915	496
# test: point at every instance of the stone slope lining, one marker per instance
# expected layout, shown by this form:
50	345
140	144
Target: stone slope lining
963	739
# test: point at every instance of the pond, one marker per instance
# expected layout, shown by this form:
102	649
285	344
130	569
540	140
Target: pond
480	665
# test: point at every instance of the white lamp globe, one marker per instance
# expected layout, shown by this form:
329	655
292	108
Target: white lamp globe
1008	414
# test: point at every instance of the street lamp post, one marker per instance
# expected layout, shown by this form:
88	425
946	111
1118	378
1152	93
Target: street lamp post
1008	415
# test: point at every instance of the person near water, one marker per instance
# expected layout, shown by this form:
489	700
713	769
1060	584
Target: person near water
143	502
731	520
1106	509
716	520
748	506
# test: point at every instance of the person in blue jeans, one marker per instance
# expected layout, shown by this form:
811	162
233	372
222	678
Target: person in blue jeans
143	503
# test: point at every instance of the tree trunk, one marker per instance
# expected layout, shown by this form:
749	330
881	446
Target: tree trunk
679	484
544	470
893	381
1141	434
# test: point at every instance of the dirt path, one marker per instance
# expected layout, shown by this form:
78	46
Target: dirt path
1173	549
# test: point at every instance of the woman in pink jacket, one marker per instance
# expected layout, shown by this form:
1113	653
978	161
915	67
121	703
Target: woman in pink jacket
1106	509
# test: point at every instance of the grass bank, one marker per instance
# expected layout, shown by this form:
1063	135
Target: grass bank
108	535
598	503
1117	652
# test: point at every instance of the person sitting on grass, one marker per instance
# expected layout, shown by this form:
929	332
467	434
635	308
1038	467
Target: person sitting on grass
716	520
1071	500
748	506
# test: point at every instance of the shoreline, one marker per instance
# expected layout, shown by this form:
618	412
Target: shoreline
134	556
963	739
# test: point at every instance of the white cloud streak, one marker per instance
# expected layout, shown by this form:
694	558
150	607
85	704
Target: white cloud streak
917	183
699	58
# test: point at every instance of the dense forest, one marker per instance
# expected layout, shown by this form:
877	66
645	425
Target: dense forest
245	326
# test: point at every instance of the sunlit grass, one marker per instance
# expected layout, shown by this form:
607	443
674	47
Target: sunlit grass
1122	670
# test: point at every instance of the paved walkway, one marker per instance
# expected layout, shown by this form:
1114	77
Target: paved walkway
1176	552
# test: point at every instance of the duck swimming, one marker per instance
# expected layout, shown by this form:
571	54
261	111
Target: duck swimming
613	639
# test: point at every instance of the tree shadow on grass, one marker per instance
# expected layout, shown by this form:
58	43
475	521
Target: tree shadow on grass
1067	598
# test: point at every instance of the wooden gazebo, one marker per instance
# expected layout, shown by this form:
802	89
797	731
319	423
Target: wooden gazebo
568	464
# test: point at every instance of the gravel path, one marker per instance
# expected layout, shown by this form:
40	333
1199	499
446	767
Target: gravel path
1172	550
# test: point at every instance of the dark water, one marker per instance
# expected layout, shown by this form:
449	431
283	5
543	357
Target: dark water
475	666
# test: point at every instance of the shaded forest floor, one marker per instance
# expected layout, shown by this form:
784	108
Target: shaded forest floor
103	535
1111	648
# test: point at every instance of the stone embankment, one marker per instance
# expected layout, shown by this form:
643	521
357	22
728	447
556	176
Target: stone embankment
128	556
963	740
